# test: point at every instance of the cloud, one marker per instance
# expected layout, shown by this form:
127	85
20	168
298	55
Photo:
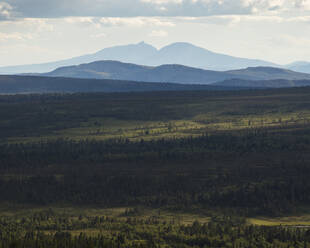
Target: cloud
232	20
158	33
99	35
302	4
154	8
290	41
162	2
227	20
5	11
83	21
135	22
119	22
34	25
15	36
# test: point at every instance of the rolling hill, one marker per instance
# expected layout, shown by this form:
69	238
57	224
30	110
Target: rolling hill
10	84
170	73
277	83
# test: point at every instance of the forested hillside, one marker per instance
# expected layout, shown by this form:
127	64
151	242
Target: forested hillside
244	150
279	83
224	158
35	84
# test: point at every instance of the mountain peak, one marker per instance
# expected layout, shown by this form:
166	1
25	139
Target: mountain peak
143	44
182	53
139	45
182	45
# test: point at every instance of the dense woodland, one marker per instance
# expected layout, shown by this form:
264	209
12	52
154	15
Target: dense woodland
44	230
245	153
255	172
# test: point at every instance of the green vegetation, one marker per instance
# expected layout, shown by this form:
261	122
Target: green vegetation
139	227
140	169
148	116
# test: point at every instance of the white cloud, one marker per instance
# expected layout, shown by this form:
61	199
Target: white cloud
83	21
15	36
98	35
162	2
34	25
155	8
39	25
119	21
289	40
5	10
302	4
231	20
135	22
299	19
158	33
236	27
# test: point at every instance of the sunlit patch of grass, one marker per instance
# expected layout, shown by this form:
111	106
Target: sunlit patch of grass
178	117
119	213
303	220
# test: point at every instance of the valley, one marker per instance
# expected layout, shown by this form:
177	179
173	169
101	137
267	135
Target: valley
155	169
154	124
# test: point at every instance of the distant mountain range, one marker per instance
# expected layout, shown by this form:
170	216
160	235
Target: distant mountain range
145	54
169	68
170	73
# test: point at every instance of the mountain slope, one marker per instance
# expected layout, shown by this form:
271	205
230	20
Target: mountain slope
269	73
132	52
170	73
193	56
300	66
124	71
10	84
277	83
34	84
142	53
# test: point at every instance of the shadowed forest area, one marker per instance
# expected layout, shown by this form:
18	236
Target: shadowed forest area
187	169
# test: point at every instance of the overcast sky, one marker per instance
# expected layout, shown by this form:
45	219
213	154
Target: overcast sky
35	31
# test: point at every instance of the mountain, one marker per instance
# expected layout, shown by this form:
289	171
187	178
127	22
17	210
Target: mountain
268	73
277	83
125	71
142	53
193	56
10	84
169	73
300	66
132	52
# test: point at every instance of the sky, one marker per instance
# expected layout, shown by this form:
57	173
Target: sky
36	31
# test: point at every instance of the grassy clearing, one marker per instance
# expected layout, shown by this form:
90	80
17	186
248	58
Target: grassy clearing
82	217
148	115
303	220
104	129
120	215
